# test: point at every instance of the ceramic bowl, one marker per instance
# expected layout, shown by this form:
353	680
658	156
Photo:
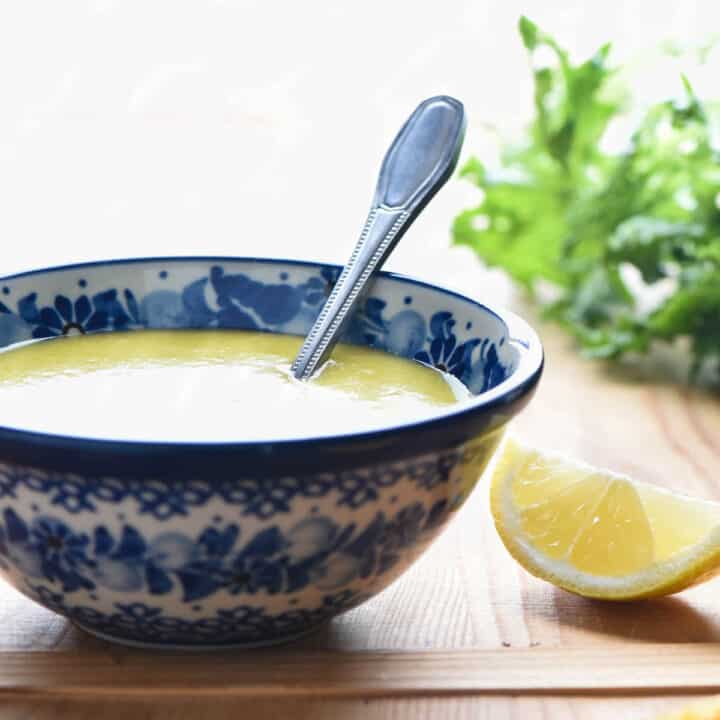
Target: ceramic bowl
246	543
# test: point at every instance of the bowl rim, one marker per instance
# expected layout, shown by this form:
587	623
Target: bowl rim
509	395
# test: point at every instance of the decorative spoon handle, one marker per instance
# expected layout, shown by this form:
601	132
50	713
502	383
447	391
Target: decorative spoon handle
420	160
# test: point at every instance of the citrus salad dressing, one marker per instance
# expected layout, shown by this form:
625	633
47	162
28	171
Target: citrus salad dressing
199	385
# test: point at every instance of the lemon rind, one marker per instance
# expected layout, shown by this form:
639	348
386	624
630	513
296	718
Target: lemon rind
689	567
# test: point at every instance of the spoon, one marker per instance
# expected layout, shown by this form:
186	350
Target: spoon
418	163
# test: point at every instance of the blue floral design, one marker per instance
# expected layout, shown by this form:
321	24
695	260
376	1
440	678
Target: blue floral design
86	558
406	333
403	334
237	300
248	304
243	624
357	489
9	481
263	498
486	371
271	498
48	548
475	361
163	309
433	472
63	553
445	353
132	563
368	325
314	551
13	329
101	312
118	565
167	498
72	492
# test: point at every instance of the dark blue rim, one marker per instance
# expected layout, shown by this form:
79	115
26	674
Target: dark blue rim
303	455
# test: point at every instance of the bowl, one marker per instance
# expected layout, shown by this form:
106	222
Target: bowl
245	543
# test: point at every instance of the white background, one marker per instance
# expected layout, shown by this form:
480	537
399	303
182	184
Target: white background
257	127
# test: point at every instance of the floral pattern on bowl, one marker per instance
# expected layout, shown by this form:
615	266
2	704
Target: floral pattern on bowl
315	551
222	299
186	545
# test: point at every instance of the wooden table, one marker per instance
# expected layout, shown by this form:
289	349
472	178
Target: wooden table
464	634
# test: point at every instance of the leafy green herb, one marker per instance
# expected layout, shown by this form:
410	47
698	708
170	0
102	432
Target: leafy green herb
562	211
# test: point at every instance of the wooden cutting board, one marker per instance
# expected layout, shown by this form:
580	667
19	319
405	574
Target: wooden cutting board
465	633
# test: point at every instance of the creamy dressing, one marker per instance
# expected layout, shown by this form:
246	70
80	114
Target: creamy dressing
213	386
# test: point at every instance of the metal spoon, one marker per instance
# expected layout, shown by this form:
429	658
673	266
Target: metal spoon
419	162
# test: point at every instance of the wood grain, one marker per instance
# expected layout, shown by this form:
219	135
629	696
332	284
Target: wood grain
639	669
455	708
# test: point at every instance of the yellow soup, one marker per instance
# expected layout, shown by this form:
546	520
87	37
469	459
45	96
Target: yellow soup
209	386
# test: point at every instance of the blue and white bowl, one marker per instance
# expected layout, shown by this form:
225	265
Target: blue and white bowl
244	543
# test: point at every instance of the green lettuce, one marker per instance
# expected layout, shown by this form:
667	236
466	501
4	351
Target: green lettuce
604	229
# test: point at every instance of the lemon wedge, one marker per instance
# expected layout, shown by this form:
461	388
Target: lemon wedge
704	710
597	533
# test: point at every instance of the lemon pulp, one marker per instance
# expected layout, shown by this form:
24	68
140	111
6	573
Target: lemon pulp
598	533
703	710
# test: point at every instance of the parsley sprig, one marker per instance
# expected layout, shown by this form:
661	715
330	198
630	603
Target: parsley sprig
562	211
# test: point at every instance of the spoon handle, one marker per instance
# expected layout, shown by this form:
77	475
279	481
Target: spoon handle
419	162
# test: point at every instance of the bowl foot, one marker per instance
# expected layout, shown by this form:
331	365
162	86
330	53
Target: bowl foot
127	642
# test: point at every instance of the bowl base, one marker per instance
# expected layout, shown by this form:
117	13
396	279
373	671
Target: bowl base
198	648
